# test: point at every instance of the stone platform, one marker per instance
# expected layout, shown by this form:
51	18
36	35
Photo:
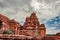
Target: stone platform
15	37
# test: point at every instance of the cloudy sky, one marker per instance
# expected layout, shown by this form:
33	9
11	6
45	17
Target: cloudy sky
47	11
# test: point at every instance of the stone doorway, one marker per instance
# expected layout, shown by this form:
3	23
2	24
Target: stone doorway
0	23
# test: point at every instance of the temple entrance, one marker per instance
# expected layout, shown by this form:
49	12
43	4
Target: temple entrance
0	23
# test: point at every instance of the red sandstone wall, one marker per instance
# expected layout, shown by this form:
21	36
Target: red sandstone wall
9	24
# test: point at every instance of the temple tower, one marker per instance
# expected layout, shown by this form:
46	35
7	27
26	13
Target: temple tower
31	22
42	30
36	29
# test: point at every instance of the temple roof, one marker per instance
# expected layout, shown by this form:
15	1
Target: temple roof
42	25
33	13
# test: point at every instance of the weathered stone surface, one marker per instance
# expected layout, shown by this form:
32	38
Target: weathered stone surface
15	26
5	24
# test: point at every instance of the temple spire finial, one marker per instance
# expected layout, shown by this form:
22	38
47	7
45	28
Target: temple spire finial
33	13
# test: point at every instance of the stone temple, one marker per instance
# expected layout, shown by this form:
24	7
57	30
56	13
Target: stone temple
31	28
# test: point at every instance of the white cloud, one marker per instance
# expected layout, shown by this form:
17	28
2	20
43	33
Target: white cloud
1	0
52	30
45	10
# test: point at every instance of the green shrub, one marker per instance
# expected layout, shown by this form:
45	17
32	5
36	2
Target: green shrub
8	32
